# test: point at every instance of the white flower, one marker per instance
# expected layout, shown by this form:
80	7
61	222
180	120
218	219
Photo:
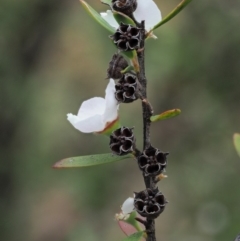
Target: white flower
146	10
128	206
96	114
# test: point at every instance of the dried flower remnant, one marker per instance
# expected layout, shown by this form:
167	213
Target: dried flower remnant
127	88
116	65
149	203
124	6
127	37
152	161
122	141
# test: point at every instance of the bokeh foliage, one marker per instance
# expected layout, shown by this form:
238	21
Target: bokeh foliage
52	57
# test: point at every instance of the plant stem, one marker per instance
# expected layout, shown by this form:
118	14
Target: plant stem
146	112
150	230
143	81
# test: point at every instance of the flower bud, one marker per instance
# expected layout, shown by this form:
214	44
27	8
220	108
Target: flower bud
128	206
116	65
126	88
127	37
124	6
149	203
152	161
122	141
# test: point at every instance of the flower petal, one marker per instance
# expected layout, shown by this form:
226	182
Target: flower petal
91	124
96	113
111	109
128	205
108	16
91	107
148	10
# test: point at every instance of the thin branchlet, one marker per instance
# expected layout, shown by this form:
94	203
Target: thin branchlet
146	114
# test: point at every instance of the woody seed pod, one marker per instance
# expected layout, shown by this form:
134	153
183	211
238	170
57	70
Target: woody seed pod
116	65
124	6
127	37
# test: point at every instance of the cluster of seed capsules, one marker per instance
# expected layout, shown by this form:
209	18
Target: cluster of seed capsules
152	162
127	87
149	203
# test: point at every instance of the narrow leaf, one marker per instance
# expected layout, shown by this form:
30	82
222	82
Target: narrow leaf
172	14
134	237
134	62
108	2
129	54
127	69
166	115
122	18
97	16
85	161
236	140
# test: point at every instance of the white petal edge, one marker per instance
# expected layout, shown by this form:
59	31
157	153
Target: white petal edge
148	10
108	17
111	109
128	205
88	125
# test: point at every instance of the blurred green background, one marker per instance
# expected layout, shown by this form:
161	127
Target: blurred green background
53	56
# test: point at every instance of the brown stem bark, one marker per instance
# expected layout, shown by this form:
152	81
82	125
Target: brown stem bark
146	113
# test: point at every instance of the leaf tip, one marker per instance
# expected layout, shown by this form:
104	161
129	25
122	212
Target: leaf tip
83	3
236	135
236	138
166	115
178	110
58	164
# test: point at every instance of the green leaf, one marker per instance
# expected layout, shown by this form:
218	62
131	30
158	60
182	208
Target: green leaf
97	17
127	69
134	237
132	55
172	14
166	115
122	18
236	140
129	54
108	2
85	161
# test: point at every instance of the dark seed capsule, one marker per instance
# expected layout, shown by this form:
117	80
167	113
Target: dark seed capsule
116	65
127	37
152	161
127	88
149	203
124	6
122	141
